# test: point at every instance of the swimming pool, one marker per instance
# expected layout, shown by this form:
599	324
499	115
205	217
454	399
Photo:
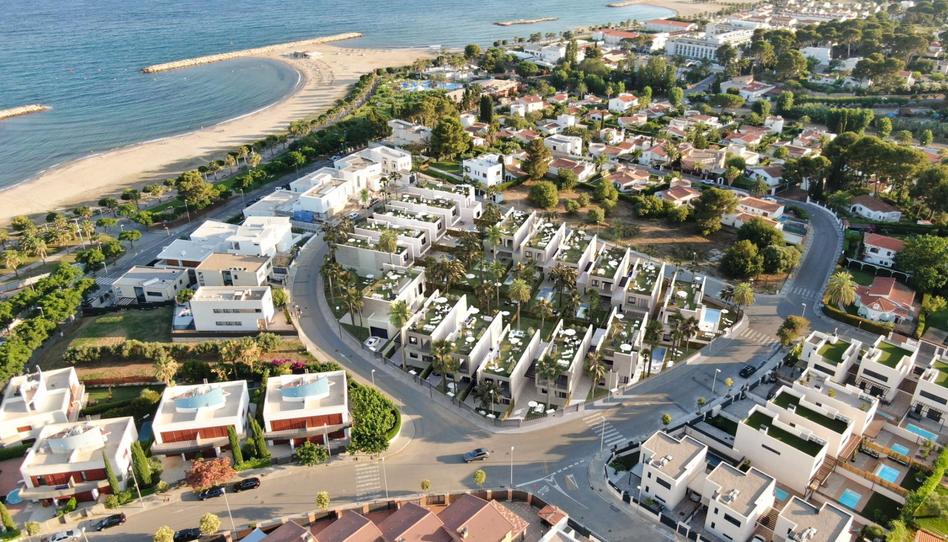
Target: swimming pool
546	294
924	433
418	86
781	494
887	473
658	354
13	497
850	499
709	322
900	449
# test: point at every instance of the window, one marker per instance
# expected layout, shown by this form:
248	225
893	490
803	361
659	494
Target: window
875	375
663	483
650	475
769	449
932	397
732	520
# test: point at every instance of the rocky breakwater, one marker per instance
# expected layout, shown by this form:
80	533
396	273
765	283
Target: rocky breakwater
256	51
22	110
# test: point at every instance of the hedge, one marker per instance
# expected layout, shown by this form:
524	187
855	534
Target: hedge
915	498
845	317
11	452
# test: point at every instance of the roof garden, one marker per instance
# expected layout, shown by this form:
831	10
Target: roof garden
941	373
451	188
440	203
684	294
542	237
434	314
402	213
509	225
608	261
645	277
399	230
833	353
368	244
891	354
623	335
471	331
785	399
565	345
511	350
574	246
759	419
388	286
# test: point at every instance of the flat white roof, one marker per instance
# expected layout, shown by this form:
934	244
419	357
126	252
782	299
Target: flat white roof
210	404
229	293
183	249
76	442
292	396
24	387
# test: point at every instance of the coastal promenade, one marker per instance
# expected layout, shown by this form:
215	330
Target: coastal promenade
256	51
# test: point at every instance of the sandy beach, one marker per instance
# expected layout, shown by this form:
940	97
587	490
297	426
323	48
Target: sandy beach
684	8
324	78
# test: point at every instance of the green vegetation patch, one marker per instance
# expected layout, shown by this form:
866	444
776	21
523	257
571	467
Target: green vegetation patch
891	354
833	353
809	447
727	425
152	325
785	399
881	509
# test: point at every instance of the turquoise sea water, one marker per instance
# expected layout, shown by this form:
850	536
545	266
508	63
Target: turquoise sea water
83	58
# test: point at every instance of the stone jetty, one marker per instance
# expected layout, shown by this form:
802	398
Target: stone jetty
22	110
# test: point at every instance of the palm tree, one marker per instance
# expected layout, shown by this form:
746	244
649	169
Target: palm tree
40	249
230	162
743	296
333	272
487	392
442	352
450	271
352	297
841	289
493	235
12	259
365	197
564	277
242	152
388	242
398	316
332	234
549	369
595	367
676	336
519	292
689	328
544	310
727	294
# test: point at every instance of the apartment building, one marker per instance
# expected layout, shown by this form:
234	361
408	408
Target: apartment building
736	500
380	292
801	521
464	195
830	355
883	366
306	407
232	308
193	420
326	198
223	269
68	460
848	400
507	364
256	236
543	244
142	284
793	453
823	420
644	286
568	348
415	241
931	394
35	400
487	169
363	254
669	465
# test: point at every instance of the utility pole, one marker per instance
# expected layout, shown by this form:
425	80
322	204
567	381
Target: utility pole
227	504
384	477
511	466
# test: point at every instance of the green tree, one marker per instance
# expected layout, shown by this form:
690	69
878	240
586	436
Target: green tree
131	236
742	260
925	138
110	474
164	534
926	257
234	440
442	353
780	259
9	526
519	292
792	328
448	139
194	190
140	465
486	109
184	295
711	206
426	485
904	137
309	454
209	524
933	303
567	179
676	96
479	477
12	260
785	101
760	232
472	51
742	296
884	126
841	289
538	159
596	216
666	420
259	442
595	367
544	194
399	314
322	500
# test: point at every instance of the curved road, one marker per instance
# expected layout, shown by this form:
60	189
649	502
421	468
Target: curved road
553	461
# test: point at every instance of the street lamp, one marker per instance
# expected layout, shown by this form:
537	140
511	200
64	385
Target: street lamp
715	380
138	489
511	466
373	378
804	309
384	477
491	401
227	503
602	434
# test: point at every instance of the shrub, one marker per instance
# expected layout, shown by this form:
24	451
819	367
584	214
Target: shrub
544	194
309	454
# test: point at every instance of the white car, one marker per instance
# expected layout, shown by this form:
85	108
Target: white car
374	343
66	536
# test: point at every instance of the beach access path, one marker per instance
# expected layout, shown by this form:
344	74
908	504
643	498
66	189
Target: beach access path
324	78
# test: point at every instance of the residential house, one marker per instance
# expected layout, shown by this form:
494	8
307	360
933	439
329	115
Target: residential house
612	136
679	195
515	228
578	250
415	241
446	209
142	284
222	269
432	225
736	500
35	400
883	367
543	244
257	236
232	309
507	365
772	175
306	407
598	115
564	145
607	275
583	169
848	400
812	138
886	300
655	156
613	37
195	419
525	105
830	355
498	88
287	532
747	88
567	348
823	55
68	460
437	319
380	292
623	102
363	254
644	286
874	209
464	195
800	520
930	399
703	161
184	253
880	249
668	25
795	454
487	169
349	526
621	347
774	123
634	120
684	299
470	518
669	465
823	420
749	208
630	179
408	133
747	136
326	198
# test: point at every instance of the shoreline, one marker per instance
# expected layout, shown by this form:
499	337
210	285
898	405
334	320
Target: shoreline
22	110
682	8
322	80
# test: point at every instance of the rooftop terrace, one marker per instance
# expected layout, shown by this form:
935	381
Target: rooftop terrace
941	373
608	261
434	314
401	213
758	419
472	330
566	344
785	399
623	334
511	350
509	225
574	246
399	230
833	353
368	244
542	237
451	188
891	354
645	276
387	286
440	203
684	295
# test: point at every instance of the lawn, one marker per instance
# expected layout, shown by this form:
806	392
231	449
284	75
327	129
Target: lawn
114	393
909	482
144	325
935	523
881	509
861	277
727	425
625	462
938	320
833	353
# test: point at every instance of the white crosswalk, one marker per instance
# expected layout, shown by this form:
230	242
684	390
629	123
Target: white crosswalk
801	291
608	433
757	337
368	479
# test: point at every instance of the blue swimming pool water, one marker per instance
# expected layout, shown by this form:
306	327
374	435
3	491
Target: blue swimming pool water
887	473
900	449
850	499
781	494
546	293
145	433
924	433
429	85
13	497
658	354
711	317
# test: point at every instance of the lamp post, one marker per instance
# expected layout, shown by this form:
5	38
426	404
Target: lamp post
384	477
715	380
804	309
227	504
602	434
373	378
137	488
511	466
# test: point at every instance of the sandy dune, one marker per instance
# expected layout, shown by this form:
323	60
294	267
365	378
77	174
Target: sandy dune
325	78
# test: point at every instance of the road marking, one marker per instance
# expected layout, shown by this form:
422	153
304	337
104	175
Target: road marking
368	484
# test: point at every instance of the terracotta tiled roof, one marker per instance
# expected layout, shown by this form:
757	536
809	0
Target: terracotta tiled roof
622	34
762	204
924	536
887	295
874	204
883	241
679	193
350	527
475	520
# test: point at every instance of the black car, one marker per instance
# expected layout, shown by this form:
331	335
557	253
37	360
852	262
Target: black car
110	521
249	483
210	493
479	454
187	535
747	371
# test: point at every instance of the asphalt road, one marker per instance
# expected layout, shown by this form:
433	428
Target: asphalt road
552	461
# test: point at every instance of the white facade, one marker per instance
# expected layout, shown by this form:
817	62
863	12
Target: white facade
408	133
197	417
931	394
257	236
823	420
623	102
150	284
35	400
880	249
486	169
883	366
823	55
830	355
793	454
564	144
736	500
221	269
669	465
848	400
232	308
306	407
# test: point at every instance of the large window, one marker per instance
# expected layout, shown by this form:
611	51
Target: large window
732	520
663	483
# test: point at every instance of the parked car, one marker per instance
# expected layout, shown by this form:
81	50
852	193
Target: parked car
478	454
747	371
249	483
210	493
373	343
354	215
66	536
110	521
187	535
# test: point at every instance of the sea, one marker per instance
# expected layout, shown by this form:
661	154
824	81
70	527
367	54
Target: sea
83	58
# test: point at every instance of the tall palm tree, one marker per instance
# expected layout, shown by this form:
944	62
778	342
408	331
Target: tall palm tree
743	296
442	353
595	367
841	289
388	242
549	370
40	249
398	316
564	277
519	292
676	335
544	310
493	236
12	259
364	197
487	393
451	271
352	297
689	328
332	234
